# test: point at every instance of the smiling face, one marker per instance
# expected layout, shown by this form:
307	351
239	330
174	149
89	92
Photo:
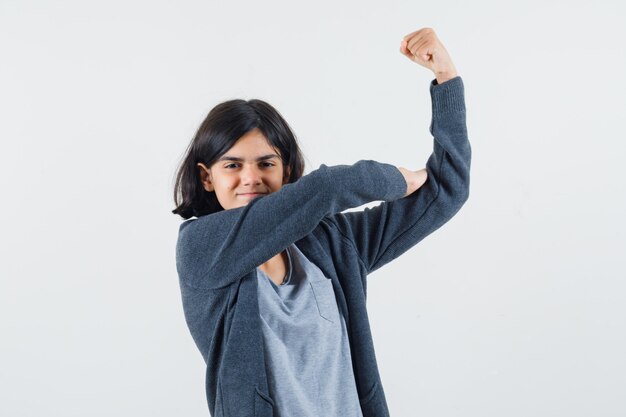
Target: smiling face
249	169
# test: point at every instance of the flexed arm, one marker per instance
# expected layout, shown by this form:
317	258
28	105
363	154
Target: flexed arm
434	194
424	48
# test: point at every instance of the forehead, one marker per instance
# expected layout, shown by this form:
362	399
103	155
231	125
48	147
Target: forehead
251	146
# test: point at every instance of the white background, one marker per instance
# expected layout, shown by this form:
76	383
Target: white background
515	308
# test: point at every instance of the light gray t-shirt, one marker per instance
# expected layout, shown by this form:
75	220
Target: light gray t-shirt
307	353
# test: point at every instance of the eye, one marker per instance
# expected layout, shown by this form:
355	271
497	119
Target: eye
233	165
267	164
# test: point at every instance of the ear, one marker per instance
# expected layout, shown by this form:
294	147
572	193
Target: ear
286	173
205	177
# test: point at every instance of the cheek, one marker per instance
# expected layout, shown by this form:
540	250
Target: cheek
279	182
231	183
225	184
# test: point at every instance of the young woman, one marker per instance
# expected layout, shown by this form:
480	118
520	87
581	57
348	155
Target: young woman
273	274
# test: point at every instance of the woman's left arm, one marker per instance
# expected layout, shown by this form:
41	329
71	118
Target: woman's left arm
383	233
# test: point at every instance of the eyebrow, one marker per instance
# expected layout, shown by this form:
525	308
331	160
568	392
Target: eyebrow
238	159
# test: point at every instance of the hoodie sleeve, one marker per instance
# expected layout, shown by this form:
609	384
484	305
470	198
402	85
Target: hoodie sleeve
216	250
382	233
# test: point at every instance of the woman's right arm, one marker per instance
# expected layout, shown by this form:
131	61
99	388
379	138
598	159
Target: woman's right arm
215	250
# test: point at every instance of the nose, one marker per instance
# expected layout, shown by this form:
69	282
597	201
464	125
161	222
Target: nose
250	175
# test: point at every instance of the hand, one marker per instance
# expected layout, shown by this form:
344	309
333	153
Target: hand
424	47
414	179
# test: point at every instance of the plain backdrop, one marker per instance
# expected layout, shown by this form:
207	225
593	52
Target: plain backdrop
515	307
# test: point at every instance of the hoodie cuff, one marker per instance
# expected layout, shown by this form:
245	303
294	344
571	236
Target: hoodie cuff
396	184
448	97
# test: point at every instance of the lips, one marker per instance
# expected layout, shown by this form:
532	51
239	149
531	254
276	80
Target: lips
251	194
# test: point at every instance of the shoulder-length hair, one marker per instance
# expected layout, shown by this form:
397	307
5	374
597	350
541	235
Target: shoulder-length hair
223	126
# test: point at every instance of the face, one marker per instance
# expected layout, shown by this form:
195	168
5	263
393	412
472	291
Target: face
249	169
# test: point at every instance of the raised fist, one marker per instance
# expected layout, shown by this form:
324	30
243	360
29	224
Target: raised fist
425	48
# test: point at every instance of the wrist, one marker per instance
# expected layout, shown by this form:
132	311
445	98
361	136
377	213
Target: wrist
444	76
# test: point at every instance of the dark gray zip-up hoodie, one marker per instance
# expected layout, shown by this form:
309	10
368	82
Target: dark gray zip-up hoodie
217	256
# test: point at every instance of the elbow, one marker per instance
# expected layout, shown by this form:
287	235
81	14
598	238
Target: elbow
460	187
462	194
452	197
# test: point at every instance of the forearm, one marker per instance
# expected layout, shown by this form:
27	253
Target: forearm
451	149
